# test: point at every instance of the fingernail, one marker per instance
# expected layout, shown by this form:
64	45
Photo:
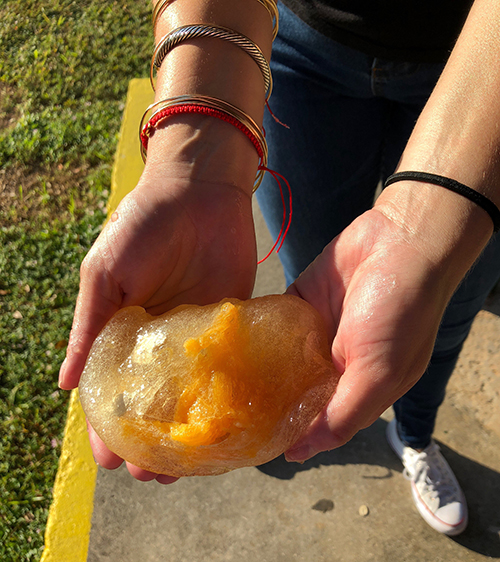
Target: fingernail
61	369
300	454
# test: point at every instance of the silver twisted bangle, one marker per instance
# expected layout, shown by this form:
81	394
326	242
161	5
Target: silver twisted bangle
186	32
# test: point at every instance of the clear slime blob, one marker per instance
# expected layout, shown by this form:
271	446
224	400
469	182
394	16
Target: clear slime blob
201	390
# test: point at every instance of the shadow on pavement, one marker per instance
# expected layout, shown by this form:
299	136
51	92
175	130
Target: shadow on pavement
492	303
480	483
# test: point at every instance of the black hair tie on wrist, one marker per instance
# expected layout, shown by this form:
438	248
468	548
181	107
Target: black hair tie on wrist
452	185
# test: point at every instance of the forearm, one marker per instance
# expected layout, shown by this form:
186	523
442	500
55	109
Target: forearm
458	136
204	147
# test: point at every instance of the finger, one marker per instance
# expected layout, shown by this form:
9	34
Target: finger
310	288
166	479
99	298
140	473
102	455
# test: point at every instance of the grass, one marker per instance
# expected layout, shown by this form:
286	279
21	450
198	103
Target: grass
40	273
64	72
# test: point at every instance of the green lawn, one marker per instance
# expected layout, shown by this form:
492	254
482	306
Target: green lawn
64	71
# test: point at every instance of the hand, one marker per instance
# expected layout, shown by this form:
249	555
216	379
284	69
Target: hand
382	293
170	242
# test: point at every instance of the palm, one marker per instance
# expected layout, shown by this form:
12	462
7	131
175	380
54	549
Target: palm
188	248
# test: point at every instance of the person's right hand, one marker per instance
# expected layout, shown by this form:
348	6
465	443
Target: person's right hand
177	238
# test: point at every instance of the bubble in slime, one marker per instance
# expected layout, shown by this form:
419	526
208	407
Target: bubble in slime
201	390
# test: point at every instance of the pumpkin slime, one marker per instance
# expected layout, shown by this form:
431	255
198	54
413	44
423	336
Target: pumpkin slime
203	390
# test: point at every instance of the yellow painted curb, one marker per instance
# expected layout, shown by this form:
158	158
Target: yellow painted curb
128	160
68	525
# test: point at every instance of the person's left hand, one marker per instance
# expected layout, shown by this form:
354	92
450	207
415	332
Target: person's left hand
382	297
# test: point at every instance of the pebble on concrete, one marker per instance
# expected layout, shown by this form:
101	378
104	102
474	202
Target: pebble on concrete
363	510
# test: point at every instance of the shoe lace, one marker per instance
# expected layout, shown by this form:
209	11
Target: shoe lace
426	469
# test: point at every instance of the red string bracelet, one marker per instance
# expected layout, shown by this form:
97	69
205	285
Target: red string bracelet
200	109
259	144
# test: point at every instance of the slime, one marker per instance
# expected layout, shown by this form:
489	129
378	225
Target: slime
201	390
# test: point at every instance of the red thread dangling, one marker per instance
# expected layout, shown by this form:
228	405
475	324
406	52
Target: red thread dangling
274	116
284	230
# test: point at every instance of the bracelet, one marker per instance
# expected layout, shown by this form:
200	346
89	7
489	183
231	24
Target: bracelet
172	39
270	6
158	10
225	111
455	186
213	107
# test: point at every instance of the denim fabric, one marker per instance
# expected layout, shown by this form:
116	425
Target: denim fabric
349	118
416	411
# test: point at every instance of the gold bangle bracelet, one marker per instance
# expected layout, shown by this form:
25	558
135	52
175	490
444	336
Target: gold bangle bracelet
158	10
270	6
186	32
212	103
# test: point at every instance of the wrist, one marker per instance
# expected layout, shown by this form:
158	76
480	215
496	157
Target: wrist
448	229
453	185
201	148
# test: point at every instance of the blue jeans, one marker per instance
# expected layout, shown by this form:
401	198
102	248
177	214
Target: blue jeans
349	118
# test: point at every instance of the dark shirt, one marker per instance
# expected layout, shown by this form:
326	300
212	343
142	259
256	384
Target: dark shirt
400	30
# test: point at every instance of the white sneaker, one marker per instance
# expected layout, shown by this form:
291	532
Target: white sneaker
436	492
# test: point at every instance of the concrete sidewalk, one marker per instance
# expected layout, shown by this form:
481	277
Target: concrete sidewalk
352	504
281	512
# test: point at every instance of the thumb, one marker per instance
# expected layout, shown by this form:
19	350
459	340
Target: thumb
357	403
99	298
